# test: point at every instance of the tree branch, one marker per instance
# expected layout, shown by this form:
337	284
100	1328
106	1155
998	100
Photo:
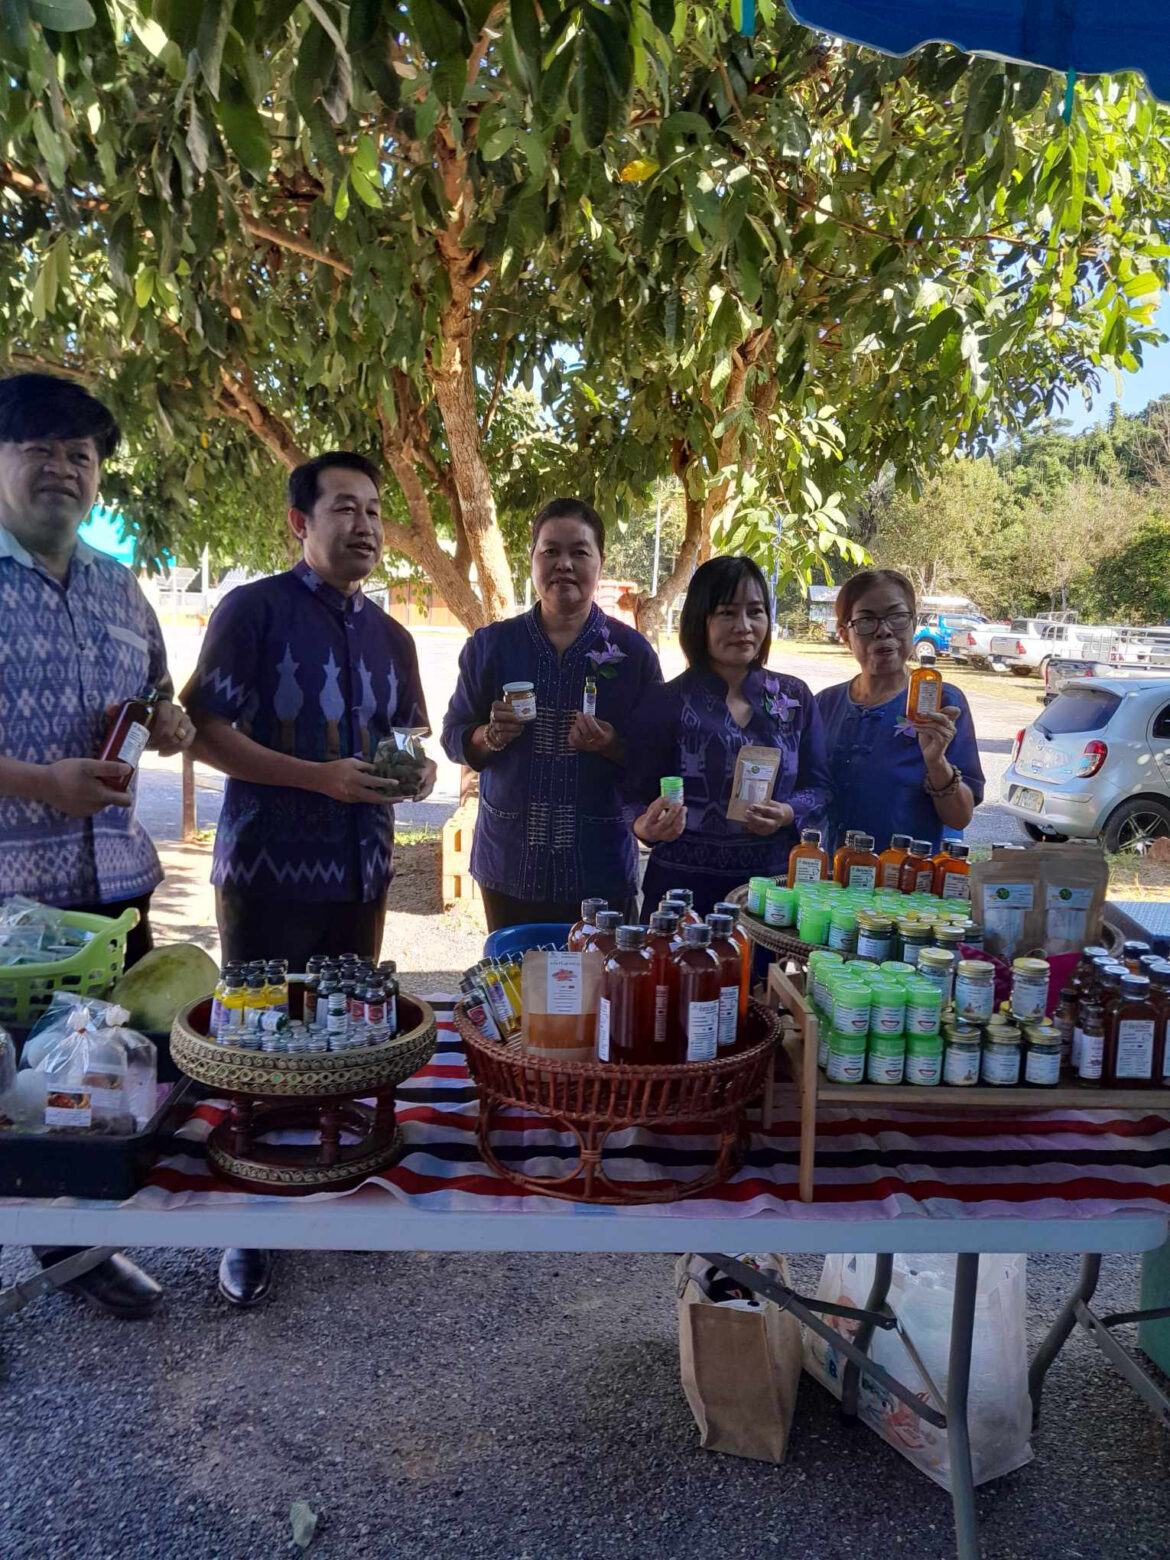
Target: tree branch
489	415
238	399
298	246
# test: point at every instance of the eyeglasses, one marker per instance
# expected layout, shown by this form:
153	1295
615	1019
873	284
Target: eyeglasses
866	624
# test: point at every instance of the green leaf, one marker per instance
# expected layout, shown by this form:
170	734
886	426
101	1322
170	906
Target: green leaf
596	90
214	23
663	13
120	251
364	188
246	134
614	49
63	16
14	30
341	200
493	146
685	123
436	29
1142	285
936	332
144	286
529	43
449	79
198	138
882	172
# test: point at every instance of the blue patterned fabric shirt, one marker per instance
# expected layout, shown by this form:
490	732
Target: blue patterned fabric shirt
551	824
68	651
304	670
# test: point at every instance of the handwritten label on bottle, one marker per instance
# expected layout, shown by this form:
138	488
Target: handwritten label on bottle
702	1031
728	1016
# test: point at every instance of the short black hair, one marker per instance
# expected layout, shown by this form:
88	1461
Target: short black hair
571	509
45	406
713	584
304	484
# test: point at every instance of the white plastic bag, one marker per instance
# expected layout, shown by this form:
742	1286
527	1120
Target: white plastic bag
921	1295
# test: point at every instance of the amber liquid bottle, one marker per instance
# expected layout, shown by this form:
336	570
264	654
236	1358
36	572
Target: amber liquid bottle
952	872
840	854
891	859
581	931
664	941
128	735
1160	980
730	971
917	872
603	937
744	943
861	865
625	1012
696	1034
1130	1036
924	695
807	862
686	898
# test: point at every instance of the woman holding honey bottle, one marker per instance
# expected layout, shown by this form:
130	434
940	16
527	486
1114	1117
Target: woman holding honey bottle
902	747
542	711
696	726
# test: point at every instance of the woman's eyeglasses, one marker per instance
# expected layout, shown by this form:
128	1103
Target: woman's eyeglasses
866	624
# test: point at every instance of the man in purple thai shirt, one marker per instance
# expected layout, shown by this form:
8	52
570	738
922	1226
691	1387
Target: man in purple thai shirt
299	679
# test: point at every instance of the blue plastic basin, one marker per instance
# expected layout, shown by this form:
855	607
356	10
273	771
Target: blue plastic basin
519	939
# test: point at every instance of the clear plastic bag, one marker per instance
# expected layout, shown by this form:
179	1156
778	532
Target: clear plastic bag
400	758
54	1022
98	1077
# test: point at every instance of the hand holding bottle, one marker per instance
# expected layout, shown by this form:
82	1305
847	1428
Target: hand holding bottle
81	787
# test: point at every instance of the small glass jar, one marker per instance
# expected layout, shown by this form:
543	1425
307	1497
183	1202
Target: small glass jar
973	934
875	937
975	989
913	936
1001	1056
1043	1055
947	934
938	966
1029	988
521	699
964	1050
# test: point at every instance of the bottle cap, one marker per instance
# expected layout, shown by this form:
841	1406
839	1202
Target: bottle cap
920	847
810	836
730	911
900	841
697	936
720	925
666	921
1133	948
957	849
863	841
630	938
590	907
1159	974
608	920
682	895
1136	985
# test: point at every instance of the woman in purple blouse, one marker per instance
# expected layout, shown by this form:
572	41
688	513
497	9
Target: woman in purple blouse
695	727
551	827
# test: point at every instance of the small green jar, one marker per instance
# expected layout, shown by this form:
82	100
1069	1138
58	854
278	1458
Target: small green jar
757	894
843	930
923	1008
887	1007
886	1058
846	1058
779	906
924	1059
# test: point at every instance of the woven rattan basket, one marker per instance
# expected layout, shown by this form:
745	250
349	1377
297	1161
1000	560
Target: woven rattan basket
590	1101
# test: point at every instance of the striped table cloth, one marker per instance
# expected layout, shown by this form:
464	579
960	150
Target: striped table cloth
1051	1164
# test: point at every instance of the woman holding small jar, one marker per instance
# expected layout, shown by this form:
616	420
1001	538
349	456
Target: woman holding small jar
542	711
892	774
695	727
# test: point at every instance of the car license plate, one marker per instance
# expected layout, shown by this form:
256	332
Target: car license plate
1003	646
1031	801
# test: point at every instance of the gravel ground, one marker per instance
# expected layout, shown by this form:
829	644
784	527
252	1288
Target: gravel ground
505	1406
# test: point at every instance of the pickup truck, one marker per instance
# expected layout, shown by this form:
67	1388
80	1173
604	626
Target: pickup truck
1030	643
974	644
935	633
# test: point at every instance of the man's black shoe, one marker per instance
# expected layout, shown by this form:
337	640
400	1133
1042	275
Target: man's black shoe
245	1277
116	1286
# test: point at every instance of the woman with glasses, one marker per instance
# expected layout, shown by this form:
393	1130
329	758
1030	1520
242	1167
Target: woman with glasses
695	726
890	775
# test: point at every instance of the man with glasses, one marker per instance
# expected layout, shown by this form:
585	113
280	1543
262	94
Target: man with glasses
892	775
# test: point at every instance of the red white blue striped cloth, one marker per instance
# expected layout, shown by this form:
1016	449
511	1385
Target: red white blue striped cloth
1061	1163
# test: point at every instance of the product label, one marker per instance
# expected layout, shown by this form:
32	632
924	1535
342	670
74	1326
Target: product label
1001	1067
106	1099
661	1012
823	1047
603	1029
961	1066
923	881
1091	1056
563	983
910	955
940	978
956	885
68	1108
842	939
1005	906
872	946
1078	1043
780	912
929	694
755	900
924	1067
133	745
524	706
728	1016
887	1020
1029	997
921	1020
702	1031
322	1012
846	1066
862	877
851	1020
1042	1068
1066	917
375	1014
1135	1048
885	1065
974	999
808	869
891	872
589	702
755	781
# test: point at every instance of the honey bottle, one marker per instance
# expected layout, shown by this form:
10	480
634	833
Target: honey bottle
697	1022
861	865
582	930
891	859
744	943
840	854
917	872
1129	1036
951	877
686	898
807	862
1091	1051
924	695
625	1011
730	971
129	732
603	937
1160	981
663	942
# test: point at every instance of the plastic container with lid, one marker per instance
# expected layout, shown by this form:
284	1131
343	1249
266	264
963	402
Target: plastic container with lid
898	968
924	1059
923	1008
822	964
875	936
757	894
885	1058
1001	1056
975	989
843	930
1029	988
779	907
521	698
938	966
845	1060
887	1007
812	924
851	1005
948	934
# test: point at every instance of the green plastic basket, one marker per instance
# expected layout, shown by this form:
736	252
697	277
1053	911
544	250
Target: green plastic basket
27	989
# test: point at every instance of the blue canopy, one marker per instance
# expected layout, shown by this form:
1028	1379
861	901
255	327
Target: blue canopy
1088	37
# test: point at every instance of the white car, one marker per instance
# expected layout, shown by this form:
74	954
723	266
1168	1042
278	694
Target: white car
1096	764
973	644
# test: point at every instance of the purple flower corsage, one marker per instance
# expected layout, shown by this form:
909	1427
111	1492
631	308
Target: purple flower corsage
606	659
778	704
906	728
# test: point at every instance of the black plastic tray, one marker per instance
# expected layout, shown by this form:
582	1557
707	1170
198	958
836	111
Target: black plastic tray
81	1164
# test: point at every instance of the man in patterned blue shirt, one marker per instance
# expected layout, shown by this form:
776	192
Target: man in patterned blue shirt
78	638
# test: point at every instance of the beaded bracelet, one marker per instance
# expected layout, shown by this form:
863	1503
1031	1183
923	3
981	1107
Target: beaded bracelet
949	789
496	747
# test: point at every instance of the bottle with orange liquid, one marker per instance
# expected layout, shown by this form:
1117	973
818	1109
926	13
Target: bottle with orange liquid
730	968
951	878
840	854
625	1012
891	859
603	938
924	695
861	864
663	942
686	898
697	1024
744	943
807	862
580	933
917	872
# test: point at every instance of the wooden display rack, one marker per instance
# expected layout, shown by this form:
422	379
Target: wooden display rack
798	1062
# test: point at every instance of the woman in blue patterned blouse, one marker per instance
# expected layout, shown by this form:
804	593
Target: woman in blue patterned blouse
551	827
695	727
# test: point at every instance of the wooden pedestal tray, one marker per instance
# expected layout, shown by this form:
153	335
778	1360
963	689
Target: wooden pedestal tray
317	1093
589	1101
771	938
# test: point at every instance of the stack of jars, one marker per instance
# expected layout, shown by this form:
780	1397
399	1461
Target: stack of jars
1114	1017
874	924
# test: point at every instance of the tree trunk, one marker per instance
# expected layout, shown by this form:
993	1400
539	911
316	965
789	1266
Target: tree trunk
650	611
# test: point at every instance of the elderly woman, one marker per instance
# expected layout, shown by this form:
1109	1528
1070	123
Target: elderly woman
551	828
891	775
695	727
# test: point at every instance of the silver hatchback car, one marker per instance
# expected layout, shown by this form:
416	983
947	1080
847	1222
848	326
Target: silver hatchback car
1096	765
